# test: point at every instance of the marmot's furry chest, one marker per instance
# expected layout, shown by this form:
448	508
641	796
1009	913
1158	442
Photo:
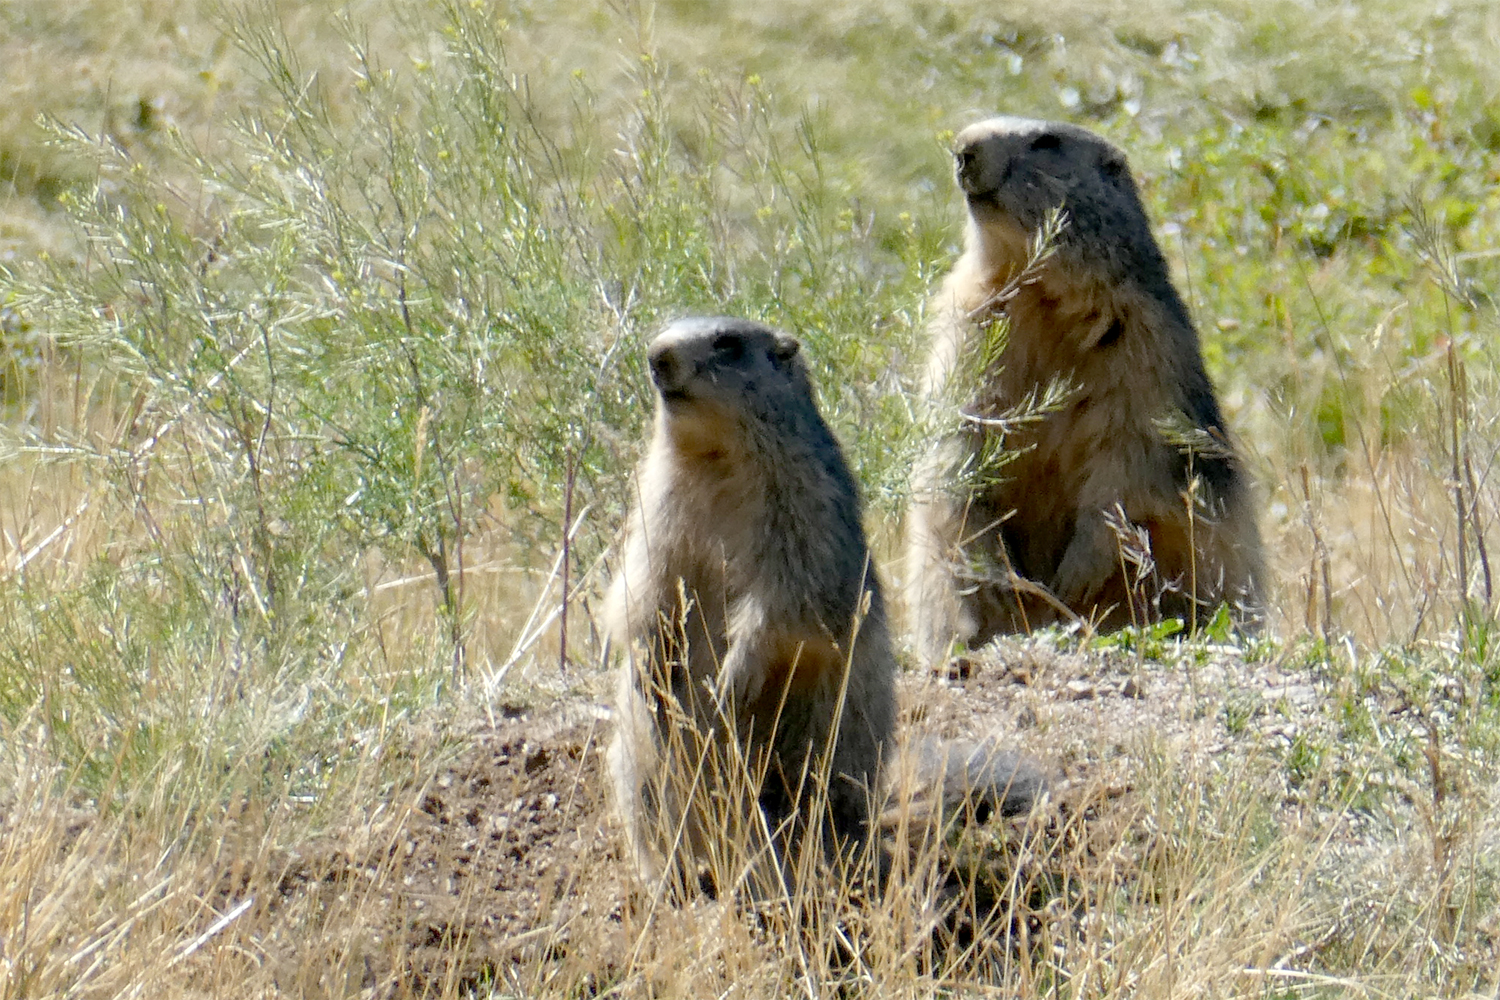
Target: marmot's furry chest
1097	446
1102	373
737	533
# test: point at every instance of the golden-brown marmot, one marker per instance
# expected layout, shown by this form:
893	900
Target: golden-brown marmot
1118	496
756	697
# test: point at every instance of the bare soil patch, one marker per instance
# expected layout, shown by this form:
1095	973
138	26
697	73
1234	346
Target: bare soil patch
492	862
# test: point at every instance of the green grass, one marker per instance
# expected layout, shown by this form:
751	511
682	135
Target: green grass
322	332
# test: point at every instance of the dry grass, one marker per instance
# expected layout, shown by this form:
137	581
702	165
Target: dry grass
206	789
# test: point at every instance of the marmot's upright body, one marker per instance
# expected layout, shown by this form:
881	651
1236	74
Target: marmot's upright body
1137	429
753	625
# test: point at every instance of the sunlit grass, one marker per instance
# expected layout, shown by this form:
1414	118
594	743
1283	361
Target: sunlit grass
321	338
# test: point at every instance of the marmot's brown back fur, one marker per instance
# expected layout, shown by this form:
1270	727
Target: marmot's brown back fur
753	625
1138	428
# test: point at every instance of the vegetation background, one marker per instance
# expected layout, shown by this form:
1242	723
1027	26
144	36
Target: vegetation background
322	326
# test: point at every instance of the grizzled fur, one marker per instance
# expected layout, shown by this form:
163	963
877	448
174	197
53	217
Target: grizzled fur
753	626
1138	429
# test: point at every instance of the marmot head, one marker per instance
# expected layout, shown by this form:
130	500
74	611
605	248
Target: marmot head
1014	171
720	372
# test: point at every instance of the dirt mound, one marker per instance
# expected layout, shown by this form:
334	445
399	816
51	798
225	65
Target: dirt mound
502	865
499	856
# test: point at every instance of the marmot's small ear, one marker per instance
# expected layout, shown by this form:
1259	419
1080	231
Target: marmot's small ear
1115	164
786	347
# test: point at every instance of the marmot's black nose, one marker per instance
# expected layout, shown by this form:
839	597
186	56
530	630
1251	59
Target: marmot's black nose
978	165
964	161
666	367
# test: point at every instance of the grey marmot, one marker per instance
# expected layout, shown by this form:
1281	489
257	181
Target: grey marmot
1121	497
757	657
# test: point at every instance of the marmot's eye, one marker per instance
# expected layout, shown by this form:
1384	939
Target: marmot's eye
1047	140
730	346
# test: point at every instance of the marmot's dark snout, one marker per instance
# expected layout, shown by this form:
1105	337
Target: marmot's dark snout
963	163
983	166
669	371
968	165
